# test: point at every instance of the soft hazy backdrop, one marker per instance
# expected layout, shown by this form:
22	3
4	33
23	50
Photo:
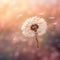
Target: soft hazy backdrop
14	45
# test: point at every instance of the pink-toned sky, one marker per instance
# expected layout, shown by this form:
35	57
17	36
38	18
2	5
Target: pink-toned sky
14	12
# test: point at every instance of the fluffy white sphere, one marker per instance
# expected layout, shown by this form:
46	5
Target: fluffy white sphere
26	27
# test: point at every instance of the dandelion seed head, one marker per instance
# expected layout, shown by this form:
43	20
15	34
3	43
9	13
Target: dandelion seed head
36	22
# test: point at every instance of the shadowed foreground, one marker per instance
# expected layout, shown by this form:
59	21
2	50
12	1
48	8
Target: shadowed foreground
14	46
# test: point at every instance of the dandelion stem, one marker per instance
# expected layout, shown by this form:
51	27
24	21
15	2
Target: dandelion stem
37	42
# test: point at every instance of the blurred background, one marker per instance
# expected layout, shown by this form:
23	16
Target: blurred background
14	45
